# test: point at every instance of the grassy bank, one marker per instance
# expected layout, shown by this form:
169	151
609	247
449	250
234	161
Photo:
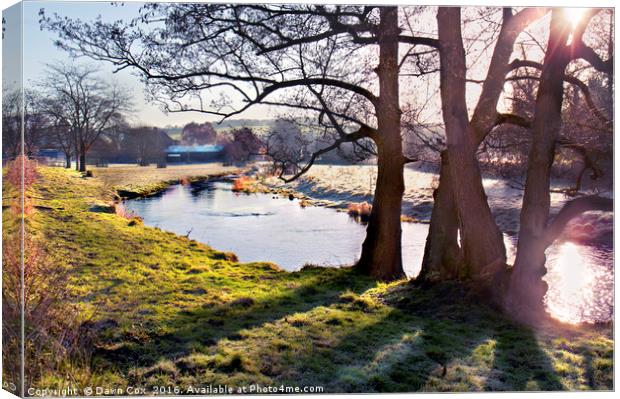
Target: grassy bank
138	181
165	310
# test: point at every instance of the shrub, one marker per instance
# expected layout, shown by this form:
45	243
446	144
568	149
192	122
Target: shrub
125	213
20	165
361	210
242	184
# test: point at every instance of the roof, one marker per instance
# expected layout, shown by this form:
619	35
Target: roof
194	148
49	152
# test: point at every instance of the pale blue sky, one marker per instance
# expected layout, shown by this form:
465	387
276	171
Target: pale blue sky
40	50
11	47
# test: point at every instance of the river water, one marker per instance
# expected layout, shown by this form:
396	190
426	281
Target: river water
263	227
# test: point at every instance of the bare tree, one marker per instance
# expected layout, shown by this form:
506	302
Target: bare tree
22	120
330	61
12	110
78	99
460	206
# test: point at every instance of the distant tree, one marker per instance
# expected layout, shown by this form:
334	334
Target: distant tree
36	123
12	106
75	97
147	144
22	114
198	134
241	144
287	146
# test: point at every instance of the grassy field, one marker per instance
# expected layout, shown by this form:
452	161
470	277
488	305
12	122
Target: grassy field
133	180
168	311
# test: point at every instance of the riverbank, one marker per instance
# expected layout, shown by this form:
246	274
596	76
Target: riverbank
132	181
338	185
165	310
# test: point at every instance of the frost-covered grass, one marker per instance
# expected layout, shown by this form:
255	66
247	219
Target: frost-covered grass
338	185
167	310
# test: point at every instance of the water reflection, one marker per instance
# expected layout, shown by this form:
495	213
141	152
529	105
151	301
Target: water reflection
260	227
581	278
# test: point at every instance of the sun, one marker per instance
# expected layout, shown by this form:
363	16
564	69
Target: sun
574	15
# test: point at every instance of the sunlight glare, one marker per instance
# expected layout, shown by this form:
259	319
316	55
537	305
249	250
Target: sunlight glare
574	15
574	281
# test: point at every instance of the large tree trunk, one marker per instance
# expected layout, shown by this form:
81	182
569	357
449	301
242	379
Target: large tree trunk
482	242
443	256
381	251
68	160
527	289
442	253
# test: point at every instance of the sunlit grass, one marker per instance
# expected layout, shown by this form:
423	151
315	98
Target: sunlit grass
169	310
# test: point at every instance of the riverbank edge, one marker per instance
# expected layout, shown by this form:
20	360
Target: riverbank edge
263	185
153	189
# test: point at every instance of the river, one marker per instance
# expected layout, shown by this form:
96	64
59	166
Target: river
265	227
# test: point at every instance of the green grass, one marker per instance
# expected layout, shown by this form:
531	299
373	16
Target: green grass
167	310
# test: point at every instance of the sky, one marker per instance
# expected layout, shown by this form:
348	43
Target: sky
39	50
11	46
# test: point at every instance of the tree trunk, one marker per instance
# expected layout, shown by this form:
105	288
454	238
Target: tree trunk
77	157
442	253
526	290
68	160
82	158
443	256
381	255
484	252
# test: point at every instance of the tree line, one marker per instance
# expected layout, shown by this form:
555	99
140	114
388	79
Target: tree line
73	110
356	72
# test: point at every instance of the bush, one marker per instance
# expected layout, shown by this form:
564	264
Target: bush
20	165
125	213
242	184
361	210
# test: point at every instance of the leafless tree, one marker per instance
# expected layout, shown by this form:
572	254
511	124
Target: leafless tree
12	109
22	120
82	105
460	206
537	231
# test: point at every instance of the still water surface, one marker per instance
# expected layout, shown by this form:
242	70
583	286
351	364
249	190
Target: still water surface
260	227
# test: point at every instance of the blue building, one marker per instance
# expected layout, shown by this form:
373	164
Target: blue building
194	153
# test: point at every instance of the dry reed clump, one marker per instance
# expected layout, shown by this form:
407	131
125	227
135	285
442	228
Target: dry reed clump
360	210
22	166
122	211
243	184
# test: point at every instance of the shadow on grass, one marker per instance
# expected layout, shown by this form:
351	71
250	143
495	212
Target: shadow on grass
433	339
430	339
197	329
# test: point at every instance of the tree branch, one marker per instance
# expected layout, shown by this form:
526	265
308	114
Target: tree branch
363	132
571	210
